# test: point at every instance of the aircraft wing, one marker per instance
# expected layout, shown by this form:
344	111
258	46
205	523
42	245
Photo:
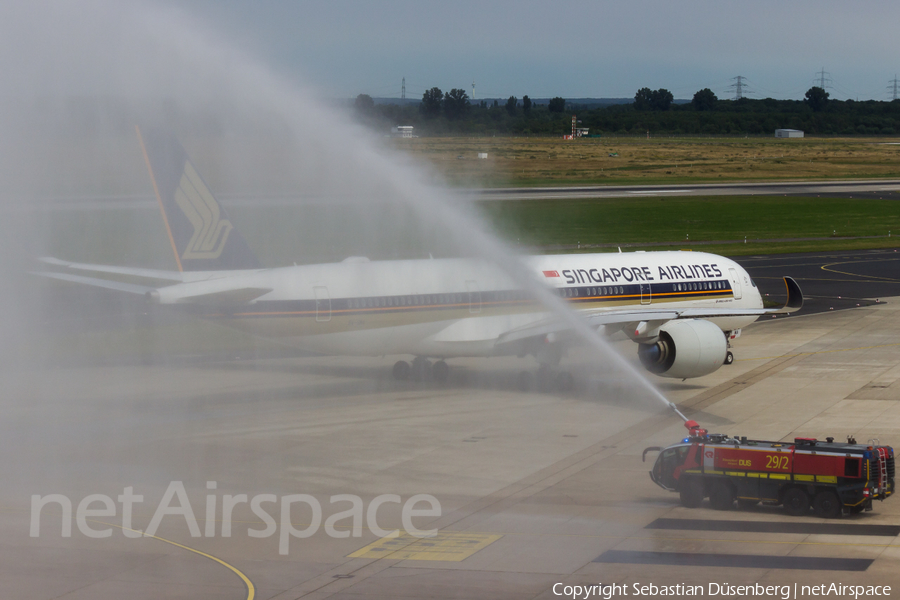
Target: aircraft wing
169	276
235	296
118	286
651	318
555	326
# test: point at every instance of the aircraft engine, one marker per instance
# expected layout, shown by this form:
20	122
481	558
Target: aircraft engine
689	348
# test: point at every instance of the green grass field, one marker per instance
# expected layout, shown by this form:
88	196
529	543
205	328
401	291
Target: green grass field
675	221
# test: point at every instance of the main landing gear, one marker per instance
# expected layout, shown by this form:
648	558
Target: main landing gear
401	370
421	369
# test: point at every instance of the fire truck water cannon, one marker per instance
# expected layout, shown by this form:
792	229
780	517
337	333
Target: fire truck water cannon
829	477
677	412
695	432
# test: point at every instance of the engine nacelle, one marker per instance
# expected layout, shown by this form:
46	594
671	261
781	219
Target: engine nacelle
689	348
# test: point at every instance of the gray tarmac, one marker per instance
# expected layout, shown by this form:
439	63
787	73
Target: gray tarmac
884	188
829	280
535	489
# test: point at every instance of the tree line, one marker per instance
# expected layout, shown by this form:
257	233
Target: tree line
656	111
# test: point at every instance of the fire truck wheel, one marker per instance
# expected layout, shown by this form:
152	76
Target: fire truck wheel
721	496
691	492
827	505
796	502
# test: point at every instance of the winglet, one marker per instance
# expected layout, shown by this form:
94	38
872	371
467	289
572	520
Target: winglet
794	300
795	296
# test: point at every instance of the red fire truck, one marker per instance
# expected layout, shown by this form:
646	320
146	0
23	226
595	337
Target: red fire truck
829	476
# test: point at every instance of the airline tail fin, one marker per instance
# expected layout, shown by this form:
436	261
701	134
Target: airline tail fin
200	232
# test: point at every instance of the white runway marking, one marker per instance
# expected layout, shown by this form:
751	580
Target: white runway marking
661	192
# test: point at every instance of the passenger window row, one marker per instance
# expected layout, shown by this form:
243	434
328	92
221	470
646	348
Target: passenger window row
657	288
517	295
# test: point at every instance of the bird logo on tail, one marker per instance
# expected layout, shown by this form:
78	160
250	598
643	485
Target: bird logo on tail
201	209
202	236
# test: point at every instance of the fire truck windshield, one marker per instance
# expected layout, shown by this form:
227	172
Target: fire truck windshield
668	460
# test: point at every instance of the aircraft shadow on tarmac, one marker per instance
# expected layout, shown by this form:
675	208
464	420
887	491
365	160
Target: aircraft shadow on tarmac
606	385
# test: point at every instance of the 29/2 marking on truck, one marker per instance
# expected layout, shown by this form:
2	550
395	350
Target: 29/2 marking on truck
776	462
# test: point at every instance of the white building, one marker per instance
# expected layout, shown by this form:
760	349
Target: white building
788	133
402	131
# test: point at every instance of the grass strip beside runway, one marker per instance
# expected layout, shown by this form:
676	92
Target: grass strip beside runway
798	223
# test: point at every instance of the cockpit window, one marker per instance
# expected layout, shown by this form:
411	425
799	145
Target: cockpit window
753	283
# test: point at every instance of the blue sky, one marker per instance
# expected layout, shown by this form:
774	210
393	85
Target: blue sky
577	48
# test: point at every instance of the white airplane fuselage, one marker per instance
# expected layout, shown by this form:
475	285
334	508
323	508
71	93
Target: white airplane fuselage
457	307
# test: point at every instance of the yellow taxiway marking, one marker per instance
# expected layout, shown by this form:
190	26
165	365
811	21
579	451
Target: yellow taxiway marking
251	589
853	262
453	546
